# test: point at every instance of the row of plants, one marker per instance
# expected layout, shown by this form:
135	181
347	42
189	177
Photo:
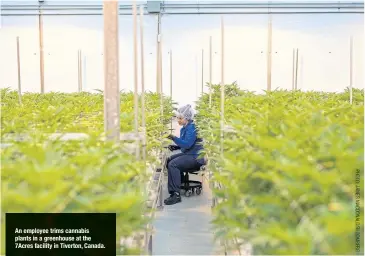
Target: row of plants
79	113
91	175
291	169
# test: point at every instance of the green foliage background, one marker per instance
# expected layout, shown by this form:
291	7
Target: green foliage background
76	176
288	169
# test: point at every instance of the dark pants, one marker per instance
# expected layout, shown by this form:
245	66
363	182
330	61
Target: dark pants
176	165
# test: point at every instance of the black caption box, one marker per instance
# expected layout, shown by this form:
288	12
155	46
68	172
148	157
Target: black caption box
60	234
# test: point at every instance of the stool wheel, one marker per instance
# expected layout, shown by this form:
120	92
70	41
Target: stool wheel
188	193
198	191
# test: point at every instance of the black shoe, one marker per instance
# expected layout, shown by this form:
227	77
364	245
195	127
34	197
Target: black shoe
171	194
174	199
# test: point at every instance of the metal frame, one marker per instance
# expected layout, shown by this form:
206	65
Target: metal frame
186	8
193	5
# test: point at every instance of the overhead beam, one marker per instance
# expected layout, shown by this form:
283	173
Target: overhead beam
155	5
184	8
181	13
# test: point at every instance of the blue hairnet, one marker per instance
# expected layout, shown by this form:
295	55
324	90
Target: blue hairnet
185	112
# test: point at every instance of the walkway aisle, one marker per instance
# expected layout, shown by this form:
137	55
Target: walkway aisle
184	228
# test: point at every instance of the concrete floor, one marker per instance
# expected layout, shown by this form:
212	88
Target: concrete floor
184	228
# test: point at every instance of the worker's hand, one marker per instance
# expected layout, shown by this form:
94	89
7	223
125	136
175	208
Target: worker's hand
171	137
173	147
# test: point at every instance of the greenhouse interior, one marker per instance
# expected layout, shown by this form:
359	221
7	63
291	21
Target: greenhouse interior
109	106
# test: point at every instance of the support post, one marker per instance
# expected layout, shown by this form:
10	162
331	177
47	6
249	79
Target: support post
171	74
111	66
84	72
296	69
144	152
79	70
18	65
135	44
269	53
160	81
158	89
160	66
41	47
210	71
351	66
301	74
222	83
196	77
293	71
202	72
171	84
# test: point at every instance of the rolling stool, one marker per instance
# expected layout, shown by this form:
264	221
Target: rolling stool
192	186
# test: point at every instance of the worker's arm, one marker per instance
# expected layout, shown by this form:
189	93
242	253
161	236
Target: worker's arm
189	140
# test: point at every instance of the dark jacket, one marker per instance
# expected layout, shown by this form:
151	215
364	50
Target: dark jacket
189	142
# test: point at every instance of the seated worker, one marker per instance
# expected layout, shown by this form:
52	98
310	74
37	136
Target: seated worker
188	159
